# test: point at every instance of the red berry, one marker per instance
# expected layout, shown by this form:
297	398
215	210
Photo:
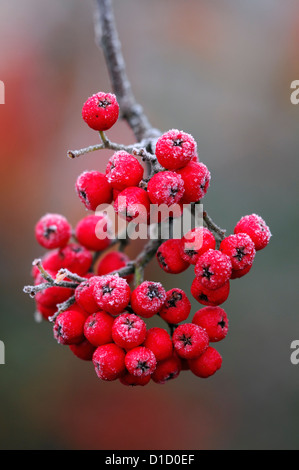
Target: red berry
165	187
256	228
140	361
237	273
83	350
53	231
51	261
109	362
207	296
100	111
214	320
98	328
69	327
114	261
51	296
240	249
159	342
84	295
195	243
129	379
169	257
148	298
112	293
75	258
128	330
124	170
93	189
167	370
174	149
45	311
213	269
207	364
176	307
196	177
190	341
132	203
92	232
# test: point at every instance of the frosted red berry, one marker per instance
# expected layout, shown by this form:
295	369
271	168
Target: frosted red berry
176	308
114	261
93	189
112	293
256	228
190	340
169	257
124	170
133	380
69	327
53	231
168	369
45	311
207	364
76	258
196	177
84	295
159	342
133	203
213	269
83	350
100	111
175	148
240	249
128	330
196	242
109	362
93	233
98	328
207	296
165	187
237	273
214	320
140	361
148	298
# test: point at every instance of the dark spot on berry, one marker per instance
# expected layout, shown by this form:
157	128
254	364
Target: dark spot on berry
240	253
203	297
203	184
103	103
91	323
49	230
76	249
191	253
107	289
170	376
175	297
206	273
186	340
178	142
222	323
161	259
153	292
173	191
142	365
129	323
59	331
83	195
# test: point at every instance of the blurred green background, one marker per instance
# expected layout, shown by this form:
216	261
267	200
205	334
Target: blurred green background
221	71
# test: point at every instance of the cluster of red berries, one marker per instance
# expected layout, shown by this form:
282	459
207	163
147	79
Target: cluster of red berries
106	323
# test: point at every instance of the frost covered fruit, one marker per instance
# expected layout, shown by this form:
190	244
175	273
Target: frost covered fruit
240	249
169	257
195	243
168	369
176	307
196	177
133	203
92	232
98	328
53	231
93	189
213	269
148	298
123	170
69	327
256	228
109	361
165	187
128	330
190	340
175	148
140	361
159	342
100	111
211	297
207	364
112	293
214	321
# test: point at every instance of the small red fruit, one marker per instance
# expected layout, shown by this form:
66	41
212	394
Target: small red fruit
124	170
214	320
53	231
133	203
207	364
196	177
112	293
69	327
128	330
83	350
165	187
213	269
240	249
148	298
140	361
114	261
167	370
109	362
101	111
207	296
195	243
174	149
159	342
98	328
190	340
256	228
176	308
169	257
93	233
93	189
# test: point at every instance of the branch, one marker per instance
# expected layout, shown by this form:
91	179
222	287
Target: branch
107	39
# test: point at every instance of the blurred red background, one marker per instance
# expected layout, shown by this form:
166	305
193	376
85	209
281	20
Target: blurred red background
221	71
